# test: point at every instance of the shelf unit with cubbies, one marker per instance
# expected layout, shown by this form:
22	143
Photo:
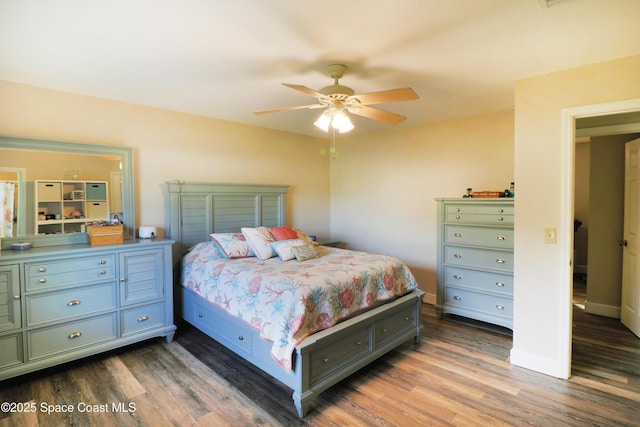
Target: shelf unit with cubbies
66	206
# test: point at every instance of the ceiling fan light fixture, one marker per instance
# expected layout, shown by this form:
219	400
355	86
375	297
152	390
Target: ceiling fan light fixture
324	121
336	118
341	121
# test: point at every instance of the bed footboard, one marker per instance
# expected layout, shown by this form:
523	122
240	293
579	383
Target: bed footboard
324	358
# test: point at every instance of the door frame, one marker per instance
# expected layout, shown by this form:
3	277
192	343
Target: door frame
567	177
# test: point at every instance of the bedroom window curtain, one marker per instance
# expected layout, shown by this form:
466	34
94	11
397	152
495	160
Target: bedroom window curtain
7	203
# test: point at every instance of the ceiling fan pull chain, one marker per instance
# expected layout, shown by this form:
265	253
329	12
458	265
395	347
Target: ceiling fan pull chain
333	143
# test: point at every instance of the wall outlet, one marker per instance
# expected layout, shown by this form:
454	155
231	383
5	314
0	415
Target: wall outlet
550	235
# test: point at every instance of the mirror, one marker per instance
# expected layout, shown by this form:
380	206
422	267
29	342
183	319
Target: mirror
72	166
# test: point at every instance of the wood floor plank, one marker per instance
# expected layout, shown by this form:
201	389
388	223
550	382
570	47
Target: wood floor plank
127	381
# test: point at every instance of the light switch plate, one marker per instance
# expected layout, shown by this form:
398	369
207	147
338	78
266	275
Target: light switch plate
550	235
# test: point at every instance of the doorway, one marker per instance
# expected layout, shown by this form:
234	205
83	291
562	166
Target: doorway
606	121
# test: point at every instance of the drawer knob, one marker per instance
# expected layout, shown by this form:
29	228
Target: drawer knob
457	276
457	255
500	307
457	209
500	284
143	318
457	216
457	234
240	338
73	302
103	261
358	342
42	269
325	360
42	280
457	297
16	297
123	280
406	318
500	261
73	335
103	272
500	218
383	330
500	237
200	315
500	210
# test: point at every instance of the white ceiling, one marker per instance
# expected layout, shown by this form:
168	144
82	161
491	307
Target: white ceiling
225	59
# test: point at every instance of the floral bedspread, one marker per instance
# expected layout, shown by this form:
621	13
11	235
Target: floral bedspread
286	301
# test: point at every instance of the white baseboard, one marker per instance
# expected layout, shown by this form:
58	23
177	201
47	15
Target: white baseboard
539	364
602	309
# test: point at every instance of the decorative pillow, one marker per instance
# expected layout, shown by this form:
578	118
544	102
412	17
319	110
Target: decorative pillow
304	236
283	248
305	252
210	248
283	233
233	245
260	239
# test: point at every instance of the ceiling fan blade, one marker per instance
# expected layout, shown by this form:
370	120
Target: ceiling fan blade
379	115
299	107
392	95
306	90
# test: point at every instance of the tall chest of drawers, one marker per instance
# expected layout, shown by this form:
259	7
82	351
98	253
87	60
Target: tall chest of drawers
475	259
63	303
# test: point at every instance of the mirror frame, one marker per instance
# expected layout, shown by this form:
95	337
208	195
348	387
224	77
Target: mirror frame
128	207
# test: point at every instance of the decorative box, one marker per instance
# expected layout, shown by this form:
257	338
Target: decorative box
105	234
487	194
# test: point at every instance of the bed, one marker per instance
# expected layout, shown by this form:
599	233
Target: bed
307	315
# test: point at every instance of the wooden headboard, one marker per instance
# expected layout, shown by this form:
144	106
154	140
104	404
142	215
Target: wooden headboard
198	209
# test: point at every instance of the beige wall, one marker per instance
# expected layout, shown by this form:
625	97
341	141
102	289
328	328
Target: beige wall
383	185
169	145
542	301
59	165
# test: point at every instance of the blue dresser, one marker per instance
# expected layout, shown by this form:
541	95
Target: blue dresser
62	303
475	259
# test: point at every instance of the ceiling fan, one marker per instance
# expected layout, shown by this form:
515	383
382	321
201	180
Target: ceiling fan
339	100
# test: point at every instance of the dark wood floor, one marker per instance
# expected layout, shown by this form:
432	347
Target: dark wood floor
459	375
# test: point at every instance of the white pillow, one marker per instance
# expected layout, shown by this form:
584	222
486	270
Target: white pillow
260	239
283	248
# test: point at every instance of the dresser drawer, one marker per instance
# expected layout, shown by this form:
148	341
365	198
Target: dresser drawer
64	305
396	323
141	318
486	303
338	352
69	272
481	236
11	350
479	214
479	280
480	219
480	258
56	339
467	208
213	323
